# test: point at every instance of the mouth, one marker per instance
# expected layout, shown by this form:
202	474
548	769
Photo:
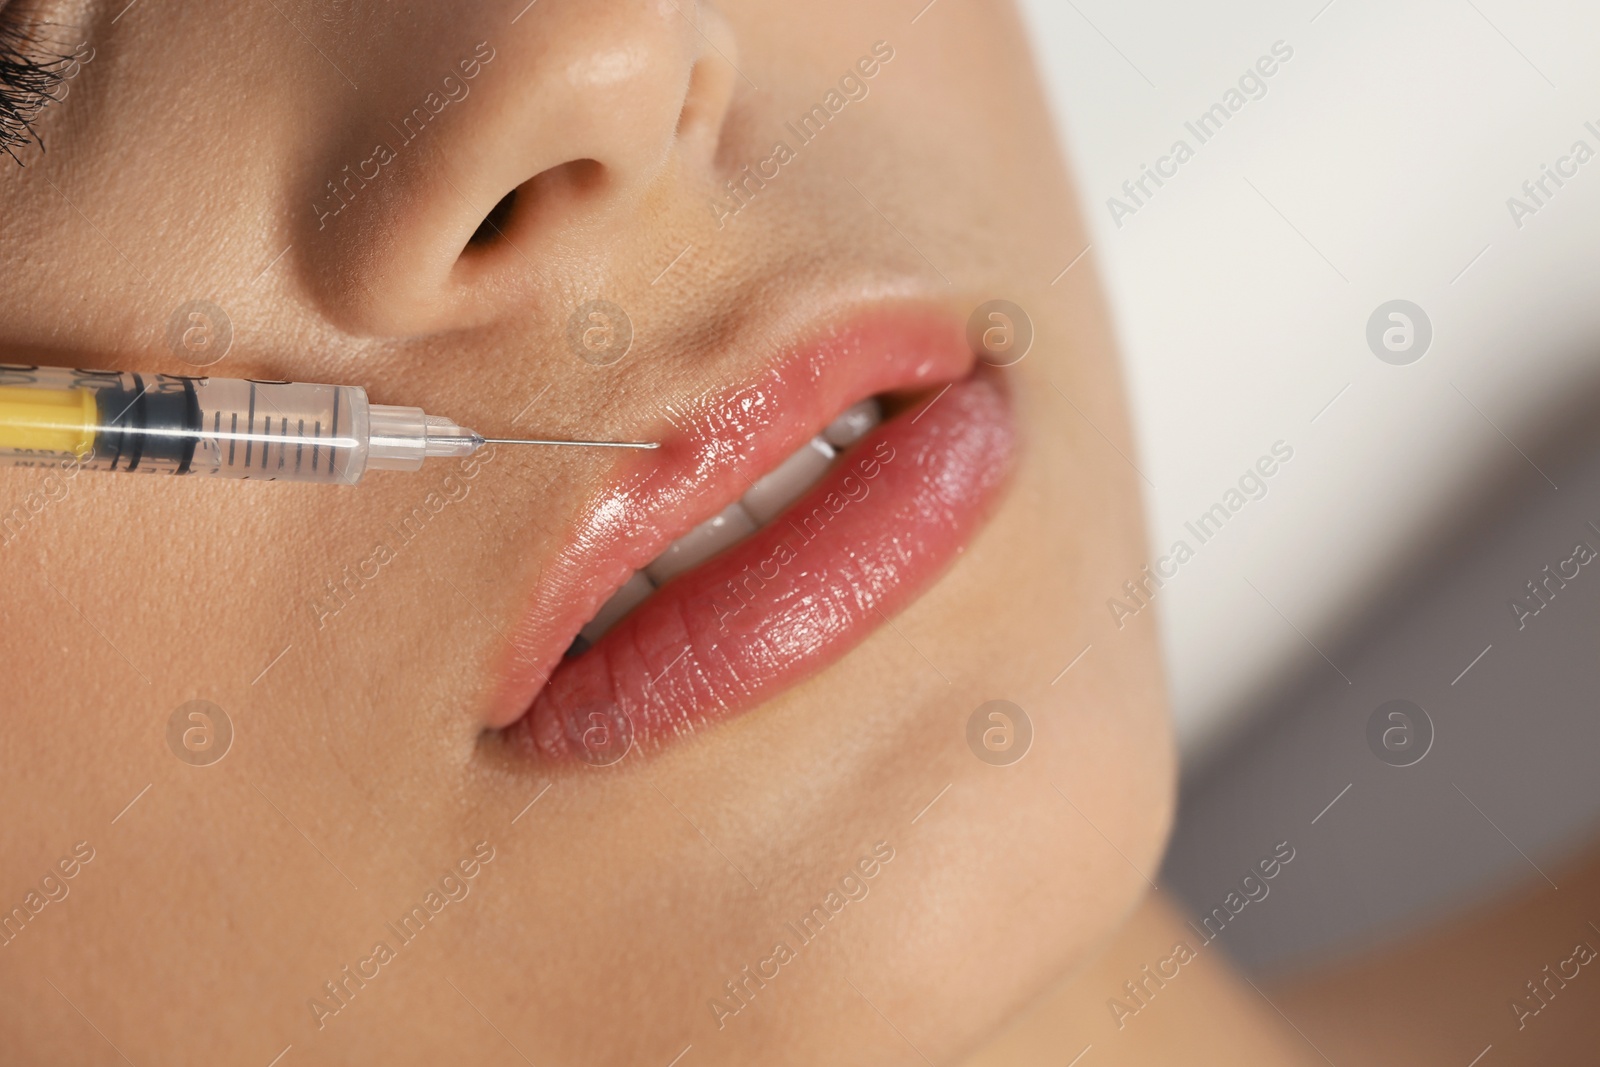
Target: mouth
781	522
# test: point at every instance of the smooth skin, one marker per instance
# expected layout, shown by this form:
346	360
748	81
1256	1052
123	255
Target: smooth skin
188	162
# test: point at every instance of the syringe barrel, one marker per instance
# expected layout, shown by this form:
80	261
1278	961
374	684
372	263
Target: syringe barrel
169	424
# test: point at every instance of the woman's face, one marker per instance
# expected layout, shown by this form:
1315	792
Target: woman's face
762	815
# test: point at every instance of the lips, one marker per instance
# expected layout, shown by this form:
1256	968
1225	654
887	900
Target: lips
883	516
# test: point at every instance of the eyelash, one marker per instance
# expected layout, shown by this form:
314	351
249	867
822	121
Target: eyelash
29	80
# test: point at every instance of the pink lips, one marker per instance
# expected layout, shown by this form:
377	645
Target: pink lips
792	598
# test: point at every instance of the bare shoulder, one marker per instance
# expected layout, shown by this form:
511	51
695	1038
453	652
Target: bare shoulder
1518	976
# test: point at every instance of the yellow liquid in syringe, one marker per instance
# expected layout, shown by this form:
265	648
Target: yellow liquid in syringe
48	420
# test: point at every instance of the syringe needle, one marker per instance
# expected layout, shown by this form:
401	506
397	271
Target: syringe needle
575	444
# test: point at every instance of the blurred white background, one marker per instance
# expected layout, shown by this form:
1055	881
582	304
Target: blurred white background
1376	166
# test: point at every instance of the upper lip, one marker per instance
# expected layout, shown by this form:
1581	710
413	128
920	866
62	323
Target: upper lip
715	445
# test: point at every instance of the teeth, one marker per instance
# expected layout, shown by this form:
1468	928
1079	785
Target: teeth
622	601
852	425
731	524
793	476
765	500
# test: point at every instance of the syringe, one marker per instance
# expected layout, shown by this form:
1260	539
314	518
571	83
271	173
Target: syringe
223	427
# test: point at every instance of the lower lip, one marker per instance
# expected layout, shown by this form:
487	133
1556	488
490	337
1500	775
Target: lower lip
890	515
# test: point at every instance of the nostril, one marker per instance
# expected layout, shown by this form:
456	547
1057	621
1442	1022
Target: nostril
711	84
493	226
552	193
566	186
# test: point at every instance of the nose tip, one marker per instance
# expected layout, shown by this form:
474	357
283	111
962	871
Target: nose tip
526	153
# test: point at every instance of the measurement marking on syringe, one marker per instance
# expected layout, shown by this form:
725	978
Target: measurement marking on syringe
333	431
250	442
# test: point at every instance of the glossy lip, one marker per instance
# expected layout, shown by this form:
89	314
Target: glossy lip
947	458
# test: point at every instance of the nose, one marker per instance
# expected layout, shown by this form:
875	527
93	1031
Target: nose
514	159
